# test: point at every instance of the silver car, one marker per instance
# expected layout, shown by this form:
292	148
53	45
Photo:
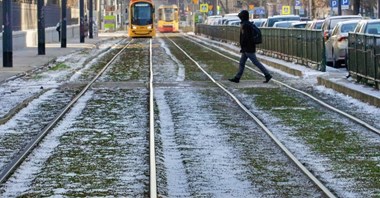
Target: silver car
368	27
330	22
337	44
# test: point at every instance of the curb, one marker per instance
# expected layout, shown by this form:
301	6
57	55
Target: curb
340	87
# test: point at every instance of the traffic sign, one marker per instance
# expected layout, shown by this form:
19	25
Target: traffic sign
345	4
298	4
285	10
260	10
203	7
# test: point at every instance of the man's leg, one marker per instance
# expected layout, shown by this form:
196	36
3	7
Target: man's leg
255	61
243	60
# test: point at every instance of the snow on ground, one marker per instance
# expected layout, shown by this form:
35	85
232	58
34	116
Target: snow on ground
18	90
27	171
310	76
15	91
181	67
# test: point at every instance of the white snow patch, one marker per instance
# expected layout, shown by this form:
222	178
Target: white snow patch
181	68
22	179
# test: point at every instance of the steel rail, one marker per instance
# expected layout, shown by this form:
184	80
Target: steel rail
12	166
152	151
262	125
355	119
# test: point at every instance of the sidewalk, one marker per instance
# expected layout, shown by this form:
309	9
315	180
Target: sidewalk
333	78
27	59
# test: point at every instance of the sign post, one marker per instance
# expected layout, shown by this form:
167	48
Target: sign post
7	34
41	27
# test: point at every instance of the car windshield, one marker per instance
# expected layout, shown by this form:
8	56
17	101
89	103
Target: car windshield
373	28
274	20
335	21
348	27
282	25
318	25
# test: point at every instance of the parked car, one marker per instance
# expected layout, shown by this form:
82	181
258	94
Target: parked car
330	23
258	22
234	23
271	20
283	24
337	44
229	21
211	20
300	24
315	25
228	17
368	27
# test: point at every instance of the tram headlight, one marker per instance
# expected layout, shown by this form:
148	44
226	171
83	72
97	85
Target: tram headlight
134	27
149	27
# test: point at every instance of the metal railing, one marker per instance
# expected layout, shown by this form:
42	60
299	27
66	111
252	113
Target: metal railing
363	59
296	45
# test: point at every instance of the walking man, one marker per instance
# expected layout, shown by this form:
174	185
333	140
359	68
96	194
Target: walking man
248	48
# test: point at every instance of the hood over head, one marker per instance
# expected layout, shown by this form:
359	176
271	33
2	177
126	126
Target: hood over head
244	15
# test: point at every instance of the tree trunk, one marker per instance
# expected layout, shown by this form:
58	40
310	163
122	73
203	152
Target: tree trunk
356	9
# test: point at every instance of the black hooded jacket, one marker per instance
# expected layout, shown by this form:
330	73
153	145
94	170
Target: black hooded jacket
246	33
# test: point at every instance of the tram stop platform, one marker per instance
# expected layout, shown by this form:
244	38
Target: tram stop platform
27	59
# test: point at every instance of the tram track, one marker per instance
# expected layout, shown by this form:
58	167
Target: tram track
13	165
10	167
313	178
197	165
335	133
321	102
324	104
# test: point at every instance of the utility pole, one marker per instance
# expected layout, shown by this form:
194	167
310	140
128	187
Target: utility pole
41	27
215	7
81	16
91	19
378	9
7	34
63	24
339	7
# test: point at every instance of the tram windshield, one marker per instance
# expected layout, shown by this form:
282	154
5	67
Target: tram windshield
142	14
169	15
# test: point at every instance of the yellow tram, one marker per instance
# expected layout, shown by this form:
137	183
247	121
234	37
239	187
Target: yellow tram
168	20
141	18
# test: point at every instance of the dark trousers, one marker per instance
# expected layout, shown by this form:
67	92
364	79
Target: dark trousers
255	61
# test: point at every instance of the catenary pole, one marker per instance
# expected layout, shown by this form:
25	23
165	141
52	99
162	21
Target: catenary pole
378	9
339	7
91	19
81	15
7	34
41	27
63	25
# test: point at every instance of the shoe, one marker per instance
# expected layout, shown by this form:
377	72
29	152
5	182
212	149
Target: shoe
235	80
267	78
